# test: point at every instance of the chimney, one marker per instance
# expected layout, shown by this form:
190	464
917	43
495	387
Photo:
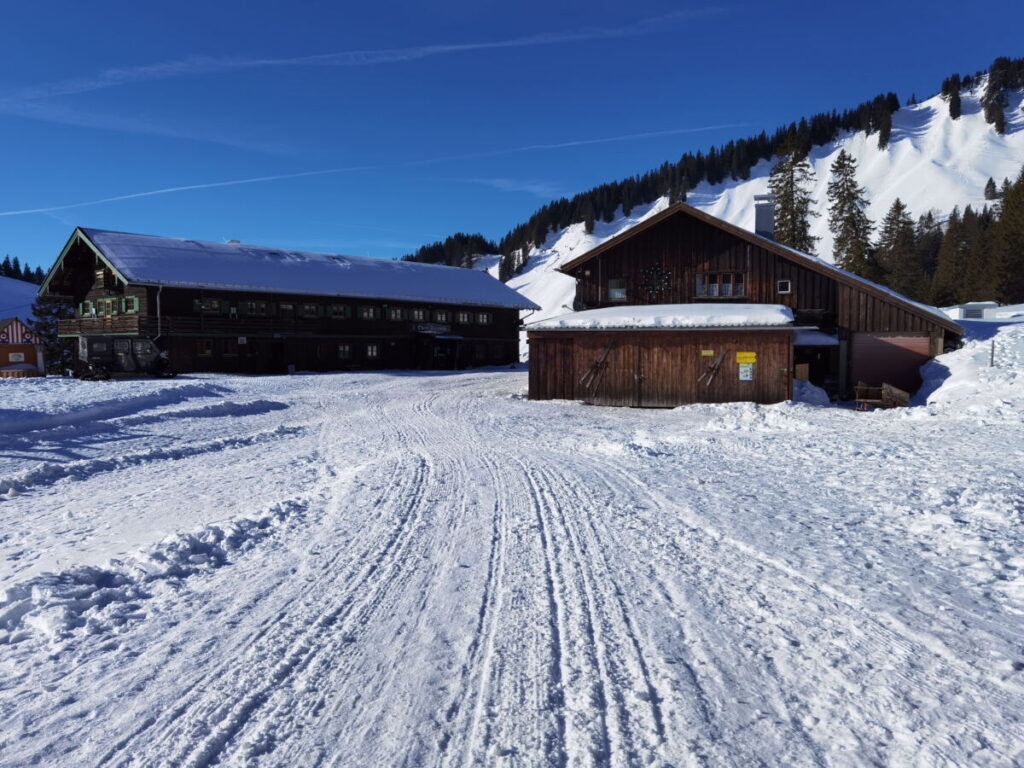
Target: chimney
764	216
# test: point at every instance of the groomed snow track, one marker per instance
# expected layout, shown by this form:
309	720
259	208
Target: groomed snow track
455	576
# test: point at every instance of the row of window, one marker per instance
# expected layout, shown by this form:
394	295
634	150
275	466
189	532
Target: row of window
124	305
229	347
706	285
340	312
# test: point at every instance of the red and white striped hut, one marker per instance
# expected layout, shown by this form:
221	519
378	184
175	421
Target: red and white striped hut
20	355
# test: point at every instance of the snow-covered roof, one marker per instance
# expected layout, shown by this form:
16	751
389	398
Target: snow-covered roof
152	260
16	298
808	338
670	316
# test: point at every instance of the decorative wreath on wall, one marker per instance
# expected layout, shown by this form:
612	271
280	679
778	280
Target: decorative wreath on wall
655	281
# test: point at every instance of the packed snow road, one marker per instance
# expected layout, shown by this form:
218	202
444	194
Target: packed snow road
430	570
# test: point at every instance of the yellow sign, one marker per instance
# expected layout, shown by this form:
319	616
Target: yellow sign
707	353
746	357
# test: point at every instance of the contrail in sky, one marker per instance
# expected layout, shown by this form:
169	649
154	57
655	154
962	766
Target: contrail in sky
204	65
388	166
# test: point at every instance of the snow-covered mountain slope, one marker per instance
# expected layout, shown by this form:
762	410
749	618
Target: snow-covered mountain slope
16	297
932	163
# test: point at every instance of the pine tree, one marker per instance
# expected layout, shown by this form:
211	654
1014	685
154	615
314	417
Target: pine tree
990	189
6	270
947	282
1009	245
928	238
951	91
978	281
897	253
39	276
847	220
58	352
16	269
790	181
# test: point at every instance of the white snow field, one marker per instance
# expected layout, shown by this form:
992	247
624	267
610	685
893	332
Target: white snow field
391	569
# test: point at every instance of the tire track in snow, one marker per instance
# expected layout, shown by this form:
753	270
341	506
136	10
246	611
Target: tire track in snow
347	615
475	672
740	568
229	699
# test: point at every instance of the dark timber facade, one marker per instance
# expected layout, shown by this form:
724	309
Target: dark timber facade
235	329
683	256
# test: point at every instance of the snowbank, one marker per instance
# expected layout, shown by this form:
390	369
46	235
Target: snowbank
667	316
95	600
805	392
983	378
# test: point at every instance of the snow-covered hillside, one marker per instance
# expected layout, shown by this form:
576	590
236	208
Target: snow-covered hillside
379	569
932	163
16	297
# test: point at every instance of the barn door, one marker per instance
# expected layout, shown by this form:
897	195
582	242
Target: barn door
889	358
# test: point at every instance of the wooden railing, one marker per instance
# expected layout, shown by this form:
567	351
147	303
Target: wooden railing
215	326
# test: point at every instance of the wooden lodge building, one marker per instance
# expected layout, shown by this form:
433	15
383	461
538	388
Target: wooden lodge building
232	307
737	316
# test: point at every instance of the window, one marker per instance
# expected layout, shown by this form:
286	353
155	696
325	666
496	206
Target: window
396	313
256	308
109	307
442	316
344	351
480	352
207	306
341	311
131	305
369	313
462	318
372	351
88	310
617	289
783	286
719	284
286	310
974	313
310	310
204	347
230	347
483	318
418	315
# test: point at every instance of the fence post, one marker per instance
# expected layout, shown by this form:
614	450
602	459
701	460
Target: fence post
992	355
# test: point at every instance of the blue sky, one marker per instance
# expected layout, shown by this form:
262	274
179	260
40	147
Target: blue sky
376	128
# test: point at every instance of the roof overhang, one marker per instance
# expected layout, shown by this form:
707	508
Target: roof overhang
78	236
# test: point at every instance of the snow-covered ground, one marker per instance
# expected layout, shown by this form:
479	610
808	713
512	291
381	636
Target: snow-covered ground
388	569
932	163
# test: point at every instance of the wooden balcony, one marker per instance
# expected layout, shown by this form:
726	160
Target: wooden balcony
146	326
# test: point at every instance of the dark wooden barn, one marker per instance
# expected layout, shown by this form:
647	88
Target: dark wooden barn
232	307
844	329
